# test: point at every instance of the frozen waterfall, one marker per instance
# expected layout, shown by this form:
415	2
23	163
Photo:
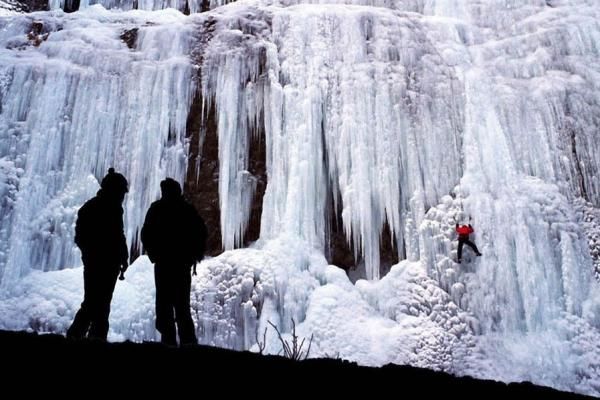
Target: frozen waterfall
397	117
76	105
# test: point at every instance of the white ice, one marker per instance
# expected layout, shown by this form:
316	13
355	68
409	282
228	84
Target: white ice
406	115
76	105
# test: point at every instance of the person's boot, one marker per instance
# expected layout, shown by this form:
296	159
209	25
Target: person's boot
98	331
188	341
168	340
78	329
74	334
188	345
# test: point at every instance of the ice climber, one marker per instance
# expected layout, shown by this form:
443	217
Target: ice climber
463	238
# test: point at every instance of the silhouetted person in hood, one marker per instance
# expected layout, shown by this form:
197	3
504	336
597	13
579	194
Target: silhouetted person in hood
174	237
463	238
99	235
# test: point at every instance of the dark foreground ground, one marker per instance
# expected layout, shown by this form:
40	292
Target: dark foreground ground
55	367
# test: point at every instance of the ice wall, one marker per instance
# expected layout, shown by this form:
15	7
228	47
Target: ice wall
187	6
381	110
528	159
72	107
399	115
357	105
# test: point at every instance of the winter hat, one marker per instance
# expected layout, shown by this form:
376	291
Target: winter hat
170	188
114	182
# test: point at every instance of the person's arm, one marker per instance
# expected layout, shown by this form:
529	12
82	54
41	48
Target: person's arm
81	227
124	252
148	233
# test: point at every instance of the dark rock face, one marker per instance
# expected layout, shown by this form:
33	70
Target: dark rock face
341	253
205	5
337	249
28	5
202	182
130	37
201	187
258	168
71	6
387	250
37	5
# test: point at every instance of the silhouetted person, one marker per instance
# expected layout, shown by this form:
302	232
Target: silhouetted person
463	238
174	237
99	235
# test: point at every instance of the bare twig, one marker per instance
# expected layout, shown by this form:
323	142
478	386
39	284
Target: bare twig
309	345
261	345
295	351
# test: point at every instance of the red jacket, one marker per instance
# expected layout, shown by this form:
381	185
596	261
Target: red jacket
464	231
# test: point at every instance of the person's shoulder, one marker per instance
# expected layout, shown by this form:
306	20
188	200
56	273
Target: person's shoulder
89	205
154	208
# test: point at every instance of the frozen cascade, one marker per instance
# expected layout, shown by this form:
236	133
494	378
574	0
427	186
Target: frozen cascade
399	115
338	135
542	266
527	159
518	93
233	79
189	6
195	6
73	107
347	109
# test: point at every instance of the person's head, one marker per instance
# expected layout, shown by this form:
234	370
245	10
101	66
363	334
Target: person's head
170	189
114	185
